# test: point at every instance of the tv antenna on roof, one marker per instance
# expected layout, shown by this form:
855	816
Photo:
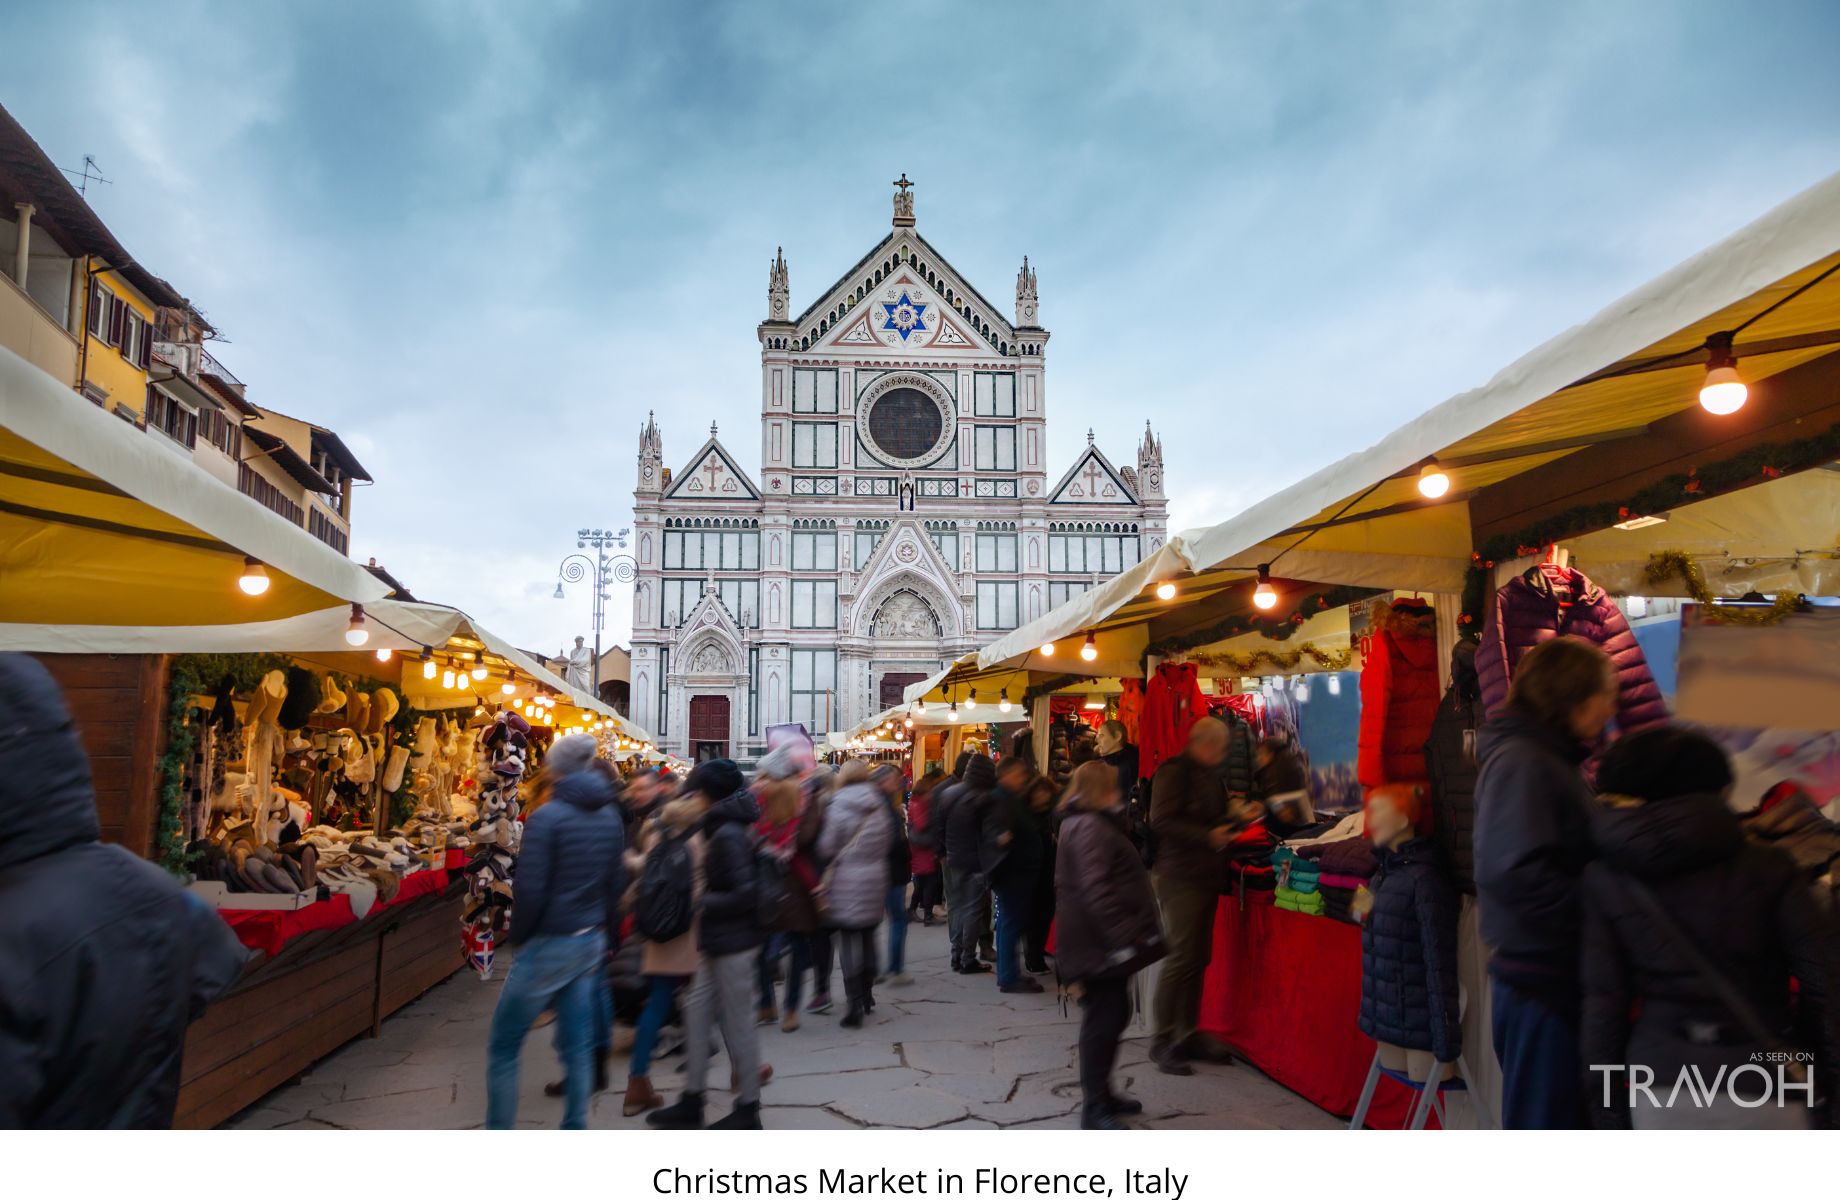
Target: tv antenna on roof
89	174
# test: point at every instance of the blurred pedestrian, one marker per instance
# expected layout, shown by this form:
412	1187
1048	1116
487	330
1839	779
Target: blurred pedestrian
889	779
105	959
1532	843
1108	931
858	832
923	835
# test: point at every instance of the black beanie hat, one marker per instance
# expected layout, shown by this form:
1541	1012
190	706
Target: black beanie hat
719	778
302	698
1664	762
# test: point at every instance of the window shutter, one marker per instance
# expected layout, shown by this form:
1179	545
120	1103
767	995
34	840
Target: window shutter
144	356
118	316
95	310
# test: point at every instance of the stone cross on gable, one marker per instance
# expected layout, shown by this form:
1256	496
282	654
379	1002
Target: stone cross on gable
1092	474
713	467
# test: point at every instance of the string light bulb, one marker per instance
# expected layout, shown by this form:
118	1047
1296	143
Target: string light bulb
385	654
920	707
447	679
1166	590
428	667
1003	700
1089	650
908	721
1047	649
254	580
510	685
971	700
952	711
1723	391
357	632
1433	482
479	665
1265	596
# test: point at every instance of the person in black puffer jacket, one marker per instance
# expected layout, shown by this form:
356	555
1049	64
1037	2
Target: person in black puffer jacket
971	829
564	918
1409	939
1533	840
1664	826
729	935
104	958
1450	765
1241	760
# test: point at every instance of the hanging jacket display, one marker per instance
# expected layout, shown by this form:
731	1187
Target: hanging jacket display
1450	760
1409	954
1399	694
1550	601
1173	702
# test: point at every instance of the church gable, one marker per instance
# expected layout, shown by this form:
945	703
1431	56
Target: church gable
904	295
712	475
1092	480
710	640
907	560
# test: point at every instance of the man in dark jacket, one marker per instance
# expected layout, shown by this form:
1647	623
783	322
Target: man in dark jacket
1016	871
104	958
1188	815
729	934
971	828
564	917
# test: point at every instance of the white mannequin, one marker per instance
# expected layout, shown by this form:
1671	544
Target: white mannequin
1388	828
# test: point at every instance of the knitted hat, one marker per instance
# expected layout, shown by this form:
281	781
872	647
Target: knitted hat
980	772
719	778
782	763
1662	763
571	754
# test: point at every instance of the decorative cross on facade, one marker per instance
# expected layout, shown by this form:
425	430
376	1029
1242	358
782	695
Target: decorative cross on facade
1092	477
712	468
904	182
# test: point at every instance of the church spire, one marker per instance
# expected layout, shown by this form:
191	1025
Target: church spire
1027	303
904	201
1150	465
779	287
651	456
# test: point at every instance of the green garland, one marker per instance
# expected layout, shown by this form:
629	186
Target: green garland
1674	564
1276	628
1756	465
193	675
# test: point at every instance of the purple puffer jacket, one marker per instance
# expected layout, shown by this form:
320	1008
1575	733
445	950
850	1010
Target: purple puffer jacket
1526	612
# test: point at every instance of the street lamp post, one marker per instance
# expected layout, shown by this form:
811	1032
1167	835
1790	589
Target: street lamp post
607	569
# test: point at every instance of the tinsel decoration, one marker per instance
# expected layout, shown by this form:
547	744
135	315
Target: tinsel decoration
1674	564
1283	661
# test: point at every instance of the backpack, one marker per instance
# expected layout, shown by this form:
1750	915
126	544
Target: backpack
665	907
772	887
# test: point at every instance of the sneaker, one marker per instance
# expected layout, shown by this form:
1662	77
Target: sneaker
765	1015
1023	984
1169	1060
821	1003
974	968
900	979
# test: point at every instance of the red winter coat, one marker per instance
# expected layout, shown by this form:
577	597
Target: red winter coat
1399	696
920	830
1172	704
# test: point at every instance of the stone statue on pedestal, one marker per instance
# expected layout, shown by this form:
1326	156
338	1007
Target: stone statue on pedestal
580	673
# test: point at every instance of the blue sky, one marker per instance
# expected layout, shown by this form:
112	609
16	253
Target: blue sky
482	239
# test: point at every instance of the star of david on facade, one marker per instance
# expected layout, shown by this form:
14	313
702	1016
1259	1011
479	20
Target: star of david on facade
905	316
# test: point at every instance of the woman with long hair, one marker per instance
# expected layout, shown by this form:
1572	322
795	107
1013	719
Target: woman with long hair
923	835
1532	844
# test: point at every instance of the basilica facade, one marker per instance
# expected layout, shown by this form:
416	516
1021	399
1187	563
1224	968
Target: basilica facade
902	511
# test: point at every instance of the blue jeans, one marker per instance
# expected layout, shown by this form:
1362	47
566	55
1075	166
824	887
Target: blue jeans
560	972
660	993
1542	1070
1013	903
897	928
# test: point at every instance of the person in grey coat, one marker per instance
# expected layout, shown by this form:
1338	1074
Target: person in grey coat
858	830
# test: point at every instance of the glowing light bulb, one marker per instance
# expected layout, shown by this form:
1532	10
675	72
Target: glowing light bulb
507	687
428	667
356	632
952	712
1047	649
1003	700
1433	483
384	654
909	721
971	700
1166	590
479	668
447	679
1723	391
254	580
1090	650
1265	596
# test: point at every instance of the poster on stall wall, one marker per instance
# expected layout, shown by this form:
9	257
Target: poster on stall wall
1783	676
1771	696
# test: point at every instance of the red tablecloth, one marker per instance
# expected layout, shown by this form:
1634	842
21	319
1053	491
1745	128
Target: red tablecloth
422	883
1284	988
268	929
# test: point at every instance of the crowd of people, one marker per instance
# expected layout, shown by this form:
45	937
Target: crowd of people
1635	916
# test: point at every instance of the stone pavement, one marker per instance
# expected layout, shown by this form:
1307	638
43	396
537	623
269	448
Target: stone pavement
946	1052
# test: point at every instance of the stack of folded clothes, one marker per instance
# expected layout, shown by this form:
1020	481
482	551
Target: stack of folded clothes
1298	882
1249	861
1344	867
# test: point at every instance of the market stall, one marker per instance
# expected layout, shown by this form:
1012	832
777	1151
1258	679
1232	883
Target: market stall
1682	443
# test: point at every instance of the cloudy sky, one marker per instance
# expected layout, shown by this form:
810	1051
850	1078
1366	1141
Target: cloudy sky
482	239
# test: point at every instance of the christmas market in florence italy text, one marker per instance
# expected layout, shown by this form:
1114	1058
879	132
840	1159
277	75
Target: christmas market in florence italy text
984	1181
